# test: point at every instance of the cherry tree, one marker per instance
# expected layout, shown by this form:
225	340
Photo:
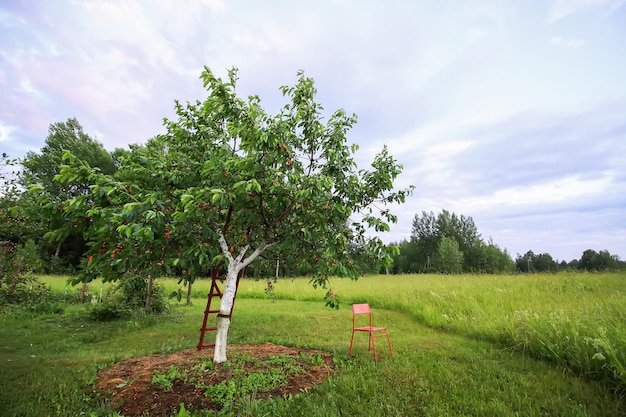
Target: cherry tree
229	182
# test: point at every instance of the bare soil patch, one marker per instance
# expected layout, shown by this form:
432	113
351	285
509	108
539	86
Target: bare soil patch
129	382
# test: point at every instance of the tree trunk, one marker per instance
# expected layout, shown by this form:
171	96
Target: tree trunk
83	291
149	294
57	252
189	284
223	318
235	265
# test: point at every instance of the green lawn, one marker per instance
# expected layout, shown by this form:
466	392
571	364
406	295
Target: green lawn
545	345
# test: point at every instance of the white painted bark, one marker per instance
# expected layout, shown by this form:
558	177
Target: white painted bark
223	319
221	340
235	265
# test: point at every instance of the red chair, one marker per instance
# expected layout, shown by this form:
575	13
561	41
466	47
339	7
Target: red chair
374	332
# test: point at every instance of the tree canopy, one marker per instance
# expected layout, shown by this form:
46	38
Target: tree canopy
47	196
41	168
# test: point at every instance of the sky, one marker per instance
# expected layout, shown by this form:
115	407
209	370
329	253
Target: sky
510	112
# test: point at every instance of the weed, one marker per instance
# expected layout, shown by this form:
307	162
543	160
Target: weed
165	379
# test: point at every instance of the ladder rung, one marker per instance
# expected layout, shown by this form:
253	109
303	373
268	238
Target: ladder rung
209	329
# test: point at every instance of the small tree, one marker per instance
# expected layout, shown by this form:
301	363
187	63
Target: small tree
449	257
13	224
17	285
228	182
489	258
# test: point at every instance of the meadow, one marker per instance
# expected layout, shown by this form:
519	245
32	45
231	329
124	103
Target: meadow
464	345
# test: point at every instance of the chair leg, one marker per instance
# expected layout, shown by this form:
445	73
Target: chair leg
373	345
351	341
389	342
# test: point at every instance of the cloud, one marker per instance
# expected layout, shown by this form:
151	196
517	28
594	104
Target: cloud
477	33
563	8
550	193
5	132
569	43
527	179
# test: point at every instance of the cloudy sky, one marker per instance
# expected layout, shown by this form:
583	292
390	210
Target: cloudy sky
511	112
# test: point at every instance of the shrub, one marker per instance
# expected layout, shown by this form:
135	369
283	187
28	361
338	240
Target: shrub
127	297
17	286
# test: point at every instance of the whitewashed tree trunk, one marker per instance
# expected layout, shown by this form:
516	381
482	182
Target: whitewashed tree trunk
223	318
235	265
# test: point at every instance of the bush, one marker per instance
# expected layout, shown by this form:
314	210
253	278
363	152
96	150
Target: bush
17	286
128	297
55	265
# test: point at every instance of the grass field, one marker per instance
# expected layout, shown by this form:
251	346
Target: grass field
539	345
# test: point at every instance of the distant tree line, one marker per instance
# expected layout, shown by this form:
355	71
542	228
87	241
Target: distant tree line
439	243
590	261
449	243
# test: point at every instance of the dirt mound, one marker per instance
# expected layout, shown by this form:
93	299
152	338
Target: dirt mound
187	380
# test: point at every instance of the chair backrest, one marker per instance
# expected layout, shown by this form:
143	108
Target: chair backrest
361	309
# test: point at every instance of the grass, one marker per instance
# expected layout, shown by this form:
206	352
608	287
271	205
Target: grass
573	320
463	346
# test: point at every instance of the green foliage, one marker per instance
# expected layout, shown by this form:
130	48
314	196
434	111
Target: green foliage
45	203
489	258
430	248
165	379
182	412
126	298
59	265
590	261
17	285
449	256
15	225
531	262
599	261
580	345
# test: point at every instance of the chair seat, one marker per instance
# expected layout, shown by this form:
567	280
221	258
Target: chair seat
369	329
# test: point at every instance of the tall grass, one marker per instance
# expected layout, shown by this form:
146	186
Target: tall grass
576	320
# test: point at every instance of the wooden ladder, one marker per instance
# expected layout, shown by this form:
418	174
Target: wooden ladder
214	292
